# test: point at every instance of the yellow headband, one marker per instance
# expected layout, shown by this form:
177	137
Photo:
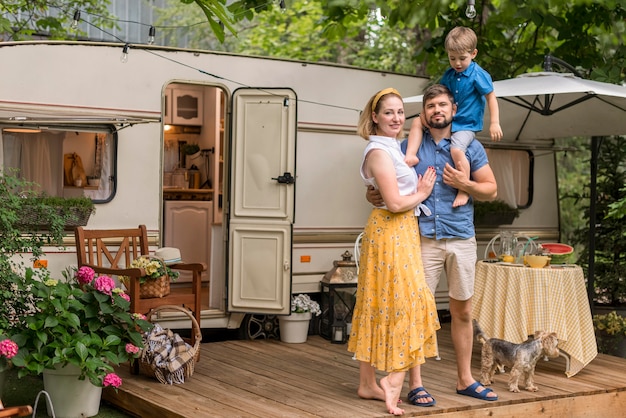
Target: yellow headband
381	94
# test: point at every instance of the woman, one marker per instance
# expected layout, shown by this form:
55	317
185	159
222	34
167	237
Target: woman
395	317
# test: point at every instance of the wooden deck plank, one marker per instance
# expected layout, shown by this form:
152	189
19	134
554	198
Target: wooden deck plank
319	379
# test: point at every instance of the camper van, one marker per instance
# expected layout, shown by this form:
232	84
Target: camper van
248	164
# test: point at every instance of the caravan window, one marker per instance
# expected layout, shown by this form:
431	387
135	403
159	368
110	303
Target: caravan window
63	162
513	171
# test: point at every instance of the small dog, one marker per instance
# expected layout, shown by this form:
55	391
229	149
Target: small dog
520	358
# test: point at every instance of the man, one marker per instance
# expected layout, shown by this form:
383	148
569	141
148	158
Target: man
447	235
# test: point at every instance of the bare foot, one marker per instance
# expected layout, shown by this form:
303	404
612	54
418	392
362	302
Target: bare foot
392	391
367	392
461	199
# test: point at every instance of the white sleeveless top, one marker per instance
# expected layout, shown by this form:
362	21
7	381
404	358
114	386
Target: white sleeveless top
405	175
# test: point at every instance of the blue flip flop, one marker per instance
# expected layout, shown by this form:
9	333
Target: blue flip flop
471	392
413	397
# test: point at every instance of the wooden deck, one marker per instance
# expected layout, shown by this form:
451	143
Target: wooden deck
267	378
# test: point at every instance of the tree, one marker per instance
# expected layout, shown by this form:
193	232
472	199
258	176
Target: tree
24	19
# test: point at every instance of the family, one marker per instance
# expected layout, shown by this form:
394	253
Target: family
421	224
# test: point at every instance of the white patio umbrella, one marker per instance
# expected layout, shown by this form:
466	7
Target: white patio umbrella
547	105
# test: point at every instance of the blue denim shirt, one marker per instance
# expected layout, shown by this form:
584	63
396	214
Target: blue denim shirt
446	221
469	89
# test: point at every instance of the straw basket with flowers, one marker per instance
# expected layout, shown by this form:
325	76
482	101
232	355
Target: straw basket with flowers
156	282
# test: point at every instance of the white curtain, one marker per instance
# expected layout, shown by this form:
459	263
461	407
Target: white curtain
511	169
38	157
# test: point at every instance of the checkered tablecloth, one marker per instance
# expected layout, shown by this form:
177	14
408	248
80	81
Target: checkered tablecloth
512	302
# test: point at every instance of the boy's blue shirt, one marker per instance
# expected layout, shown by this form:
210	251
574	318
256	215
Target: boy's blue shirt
469	89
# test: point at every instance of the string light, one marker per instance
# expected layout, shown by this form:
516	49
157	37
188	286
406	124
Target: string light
470	11
151	34
124	57
126	48
76	19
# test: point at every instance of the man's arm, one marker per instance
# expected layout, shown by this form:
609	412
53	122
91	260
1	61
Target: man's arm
374	197
481	186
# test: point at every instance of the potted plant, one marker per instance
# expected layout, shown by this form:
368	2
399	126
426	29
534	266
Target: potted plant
81	325
494	213
93	181
295	327
611	333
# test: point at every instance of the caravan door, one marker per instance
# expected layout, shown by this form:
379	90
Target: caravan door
261	205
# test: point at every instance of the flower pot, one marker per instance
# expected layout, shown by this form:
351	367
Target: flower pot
295	327
71	397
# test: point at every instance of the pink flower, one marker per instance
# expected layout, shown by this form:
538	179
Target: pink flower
84	275
104	284
112	379
8	348
125	296
138	316
132	349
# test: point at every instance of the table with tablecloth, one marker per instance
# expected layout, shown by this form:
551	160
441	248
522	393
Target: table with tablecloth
512	301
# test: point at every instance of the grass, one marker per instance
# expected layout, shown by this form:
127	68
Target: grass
24	392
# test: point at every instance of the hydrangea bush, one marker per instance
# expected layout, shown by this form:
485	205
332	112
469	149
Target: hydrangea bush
84	321
303	303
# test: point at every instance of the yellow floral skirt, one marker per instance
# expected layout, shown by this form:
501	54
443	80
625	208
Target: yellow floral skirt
395	317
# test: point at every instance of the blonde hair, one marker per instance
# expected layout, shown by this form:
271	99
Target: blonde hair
461	39
366	125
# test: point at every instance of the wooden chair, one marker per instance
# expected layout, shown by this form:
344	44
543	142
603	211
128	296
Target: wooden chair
15	411
110	252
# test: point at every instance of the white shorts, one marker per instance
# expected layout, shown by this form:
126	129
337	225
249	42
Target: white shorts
457	257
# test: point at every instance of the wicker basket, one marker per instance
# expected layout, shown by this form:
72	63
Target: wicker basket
38	219
147	369
155	288
151	288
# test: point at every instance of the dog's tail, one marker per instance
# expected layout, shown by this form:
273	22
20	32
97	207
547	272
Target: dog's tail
479	335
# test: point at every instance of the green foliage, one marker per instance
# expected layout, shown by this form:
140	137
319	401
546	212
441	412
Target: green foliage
24	19
15	196
573	176
85	325
18	204
482	208
513	37
610	238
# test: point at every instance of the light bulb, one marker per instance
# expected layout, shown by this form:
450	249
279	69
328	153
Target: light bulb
151	34
124	57
76	19
470	11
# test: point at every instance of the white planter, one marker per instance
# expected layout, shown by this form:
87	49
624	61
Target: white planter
71	397
295	327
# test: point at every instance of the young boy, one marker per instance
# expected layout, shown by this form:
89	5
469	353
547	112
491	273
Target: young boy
471	86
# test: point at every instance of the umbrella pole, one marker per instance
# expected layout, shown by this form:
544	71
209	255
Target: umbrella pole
595	150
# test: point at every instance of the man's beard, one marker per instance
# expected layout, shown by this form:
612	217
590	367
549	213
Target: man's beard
440	125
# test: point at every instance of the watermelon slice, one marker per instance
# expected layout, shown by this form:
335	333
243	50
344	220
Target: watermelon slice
558	248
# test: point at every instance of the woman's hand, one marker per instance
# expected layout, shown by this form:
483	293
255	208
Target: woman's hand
426	182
